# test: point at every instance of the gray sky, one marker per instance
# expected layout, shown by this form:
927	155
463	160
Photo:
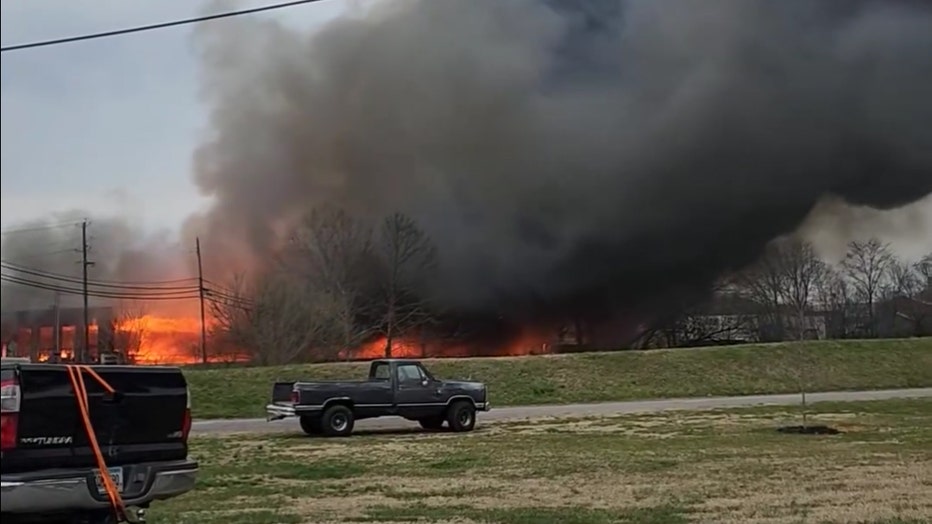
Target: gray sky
107	125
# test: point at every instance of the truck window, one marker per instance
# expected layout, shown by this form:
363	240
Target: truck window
381	371
410	373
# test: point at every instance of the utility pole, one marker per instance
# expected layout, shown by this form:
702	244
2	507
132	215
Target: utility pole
57	350
200	289
87	321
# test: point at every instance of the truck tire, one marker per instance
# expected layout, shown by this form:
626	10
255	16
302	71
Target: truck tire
461	416
432	423
310	425
337	421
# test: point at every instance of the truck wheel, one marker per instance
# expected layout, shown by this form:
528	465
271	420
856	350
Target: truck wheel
461	416
310	425
431	424
337	421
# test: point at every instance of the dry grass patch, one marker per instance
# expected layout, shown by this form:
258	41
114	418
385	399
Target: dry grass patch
726	466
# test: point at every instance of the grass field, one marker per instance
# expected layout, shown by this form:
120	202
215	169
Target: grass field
594	377
727	466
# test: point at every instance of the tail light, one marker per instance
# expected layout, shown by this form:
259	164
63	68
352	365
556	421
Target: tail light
295	397
186	423
9	413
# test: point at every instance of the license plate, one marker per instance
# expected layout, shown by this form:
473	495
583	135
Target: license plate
116	474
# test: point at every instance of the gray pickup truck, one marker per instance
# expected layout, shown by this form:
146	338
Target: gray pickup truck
395	387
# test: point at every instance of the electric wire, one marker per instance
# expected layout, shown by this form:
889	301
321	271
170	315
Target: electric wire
33	256
210	295
150	27
31	229
166	295
49	281
129	285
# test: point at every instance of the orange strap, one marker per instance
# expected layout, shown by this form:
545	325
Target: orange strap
80	392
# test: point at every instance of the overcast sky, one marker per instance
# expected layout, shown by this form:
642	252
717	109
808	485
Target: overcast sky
107	125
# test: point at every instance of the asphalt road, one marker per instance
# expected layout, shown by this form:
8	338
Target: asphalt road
514	413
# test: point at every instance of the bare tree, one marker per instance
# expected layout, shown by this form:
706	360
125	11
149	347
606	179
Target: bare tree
904	304
277	319
764	283
866	265
903	279
834	296
801	271
333	253
128	331
924	267
408	257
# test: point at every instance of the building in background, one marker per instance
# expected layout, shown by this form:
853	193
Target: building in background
31	333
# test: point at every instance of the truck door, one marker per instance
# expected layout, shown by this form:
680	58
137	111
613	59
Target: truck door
417	396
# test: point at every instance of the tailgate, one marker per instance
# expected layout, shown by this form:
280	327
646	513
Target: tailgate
281	392
144	421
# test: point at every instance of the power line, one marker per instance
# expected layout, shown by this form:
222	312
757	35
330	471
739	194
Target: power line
140	285
38	228
217	297
46	254
150	27
168	295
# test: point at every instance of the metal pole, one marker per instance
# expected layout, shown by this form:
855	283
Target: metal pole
87	329
200	288
58	325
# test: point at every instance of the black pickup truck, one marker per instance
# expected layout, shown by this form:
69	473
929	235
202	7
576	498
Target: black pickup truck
395	387
49	471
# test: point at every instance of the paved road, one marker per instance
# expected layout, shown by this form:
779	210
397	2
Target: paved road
514	413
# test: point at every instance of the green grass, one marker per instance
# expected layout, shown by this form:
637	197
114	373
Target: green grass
628	375
725	466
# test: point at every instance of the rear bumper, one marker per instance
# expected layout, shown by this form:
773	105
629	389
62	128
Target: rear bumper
279	411
52	491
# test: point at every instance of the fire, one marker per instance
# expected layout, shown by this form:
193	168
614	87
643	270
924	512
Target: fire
151	339
525	344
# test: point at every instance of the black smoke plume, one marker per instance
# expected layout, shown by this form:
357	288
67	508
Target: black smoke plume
565	155
571	154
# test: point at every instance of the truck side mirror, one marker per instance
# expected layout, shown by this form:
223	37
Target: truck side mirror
424	382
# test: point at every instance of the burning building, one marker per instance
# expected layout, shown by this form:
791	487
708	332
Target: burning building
32	333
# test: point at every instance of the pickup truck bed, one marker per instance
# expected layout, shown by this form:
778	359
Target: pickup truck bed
395	387
49	468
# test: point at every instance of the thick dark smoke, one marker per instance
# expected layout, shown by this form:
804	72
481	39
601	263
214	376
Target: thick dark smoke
564	153
567	156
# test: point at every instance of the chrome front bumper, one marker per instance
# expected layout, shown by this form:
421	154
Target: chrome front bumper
54	491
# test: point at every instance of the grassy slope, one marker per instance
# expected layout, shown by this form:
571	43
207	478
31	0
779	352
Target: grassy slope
727	467
594	377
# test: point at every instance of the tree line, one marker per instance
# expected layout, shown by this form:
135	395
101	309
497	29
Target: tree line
337	282
791	293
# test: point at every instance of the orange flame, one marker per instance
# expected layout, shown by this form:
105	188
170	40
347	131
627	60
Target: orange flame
151	339
526	344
